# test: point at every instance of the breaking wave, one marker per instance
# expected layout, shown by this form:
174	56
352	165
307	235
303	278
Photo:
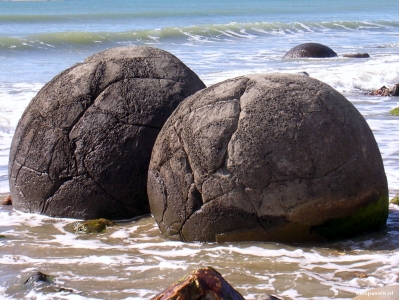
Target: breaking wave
198	33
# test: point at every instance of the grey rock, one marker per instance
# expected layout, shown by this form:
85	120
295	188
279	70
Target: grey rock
395	90
277	157
268	297
38	277
83	144
310	50
44	284
356	55
385	91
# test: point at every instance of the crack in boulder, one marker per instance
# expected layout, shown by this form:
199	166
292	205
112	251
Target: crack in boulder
288	150
68	117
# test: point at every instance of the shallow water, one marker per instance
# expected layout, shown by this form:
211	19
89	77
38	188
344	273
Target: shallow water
132	260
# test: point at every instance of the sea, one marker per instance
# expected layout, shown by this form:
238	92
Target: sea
217	39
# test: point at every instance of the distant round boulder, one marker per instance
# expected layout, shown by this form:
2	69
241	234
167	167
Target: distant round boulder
83	145
277	157
310	50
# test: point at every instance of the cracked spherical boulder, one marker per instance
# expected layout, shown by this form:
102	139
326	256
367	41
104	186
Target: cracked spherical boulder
276	157
83	145
310	50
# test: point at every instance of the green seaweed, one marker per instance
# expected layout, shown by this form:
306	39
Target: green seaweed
2	236
395	200
92	226
370	217
395	111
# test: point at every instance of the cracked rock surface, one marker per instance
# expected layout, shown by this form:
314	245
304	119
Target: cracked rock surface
313	50
83	145
276	157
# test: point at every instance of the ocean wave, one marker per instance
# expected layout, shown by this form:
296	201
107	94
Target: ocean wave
203	33
110	16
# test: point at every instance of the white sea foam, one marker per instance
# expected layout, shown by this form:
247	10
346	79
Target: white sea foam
120	234
14	99
105	253
366	76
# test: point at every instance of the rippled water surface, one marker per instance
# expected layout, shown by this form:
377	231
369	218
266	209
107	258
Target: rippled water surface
132	260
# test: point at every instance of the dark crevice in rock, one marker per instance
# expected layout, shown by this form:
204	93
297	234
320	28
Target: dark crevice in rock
16	185
106	193
187	219
337	168
197	205
47	201
51	157
343	116
223	165
266	230
98	75
138	124
46	204
224	191
29	146
57	186
249	200
19	168
258	219
225	156
182	146
164	193
94	91
73	152
70	129
43	207
189	110
190	169
97	93
31	169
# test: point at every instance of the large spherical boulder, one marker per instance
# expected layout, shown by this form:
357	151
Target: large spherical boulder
83	145
275	157
310	50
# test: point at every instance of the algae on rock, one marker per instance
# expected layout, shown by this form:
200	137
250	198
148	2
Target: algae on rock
394	112
376	212
395	200
92	226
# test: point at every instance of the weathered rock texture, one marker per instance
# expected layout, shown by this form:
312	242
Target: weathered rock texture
384	91
201	284
311	50
83	145
356	55
273	157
